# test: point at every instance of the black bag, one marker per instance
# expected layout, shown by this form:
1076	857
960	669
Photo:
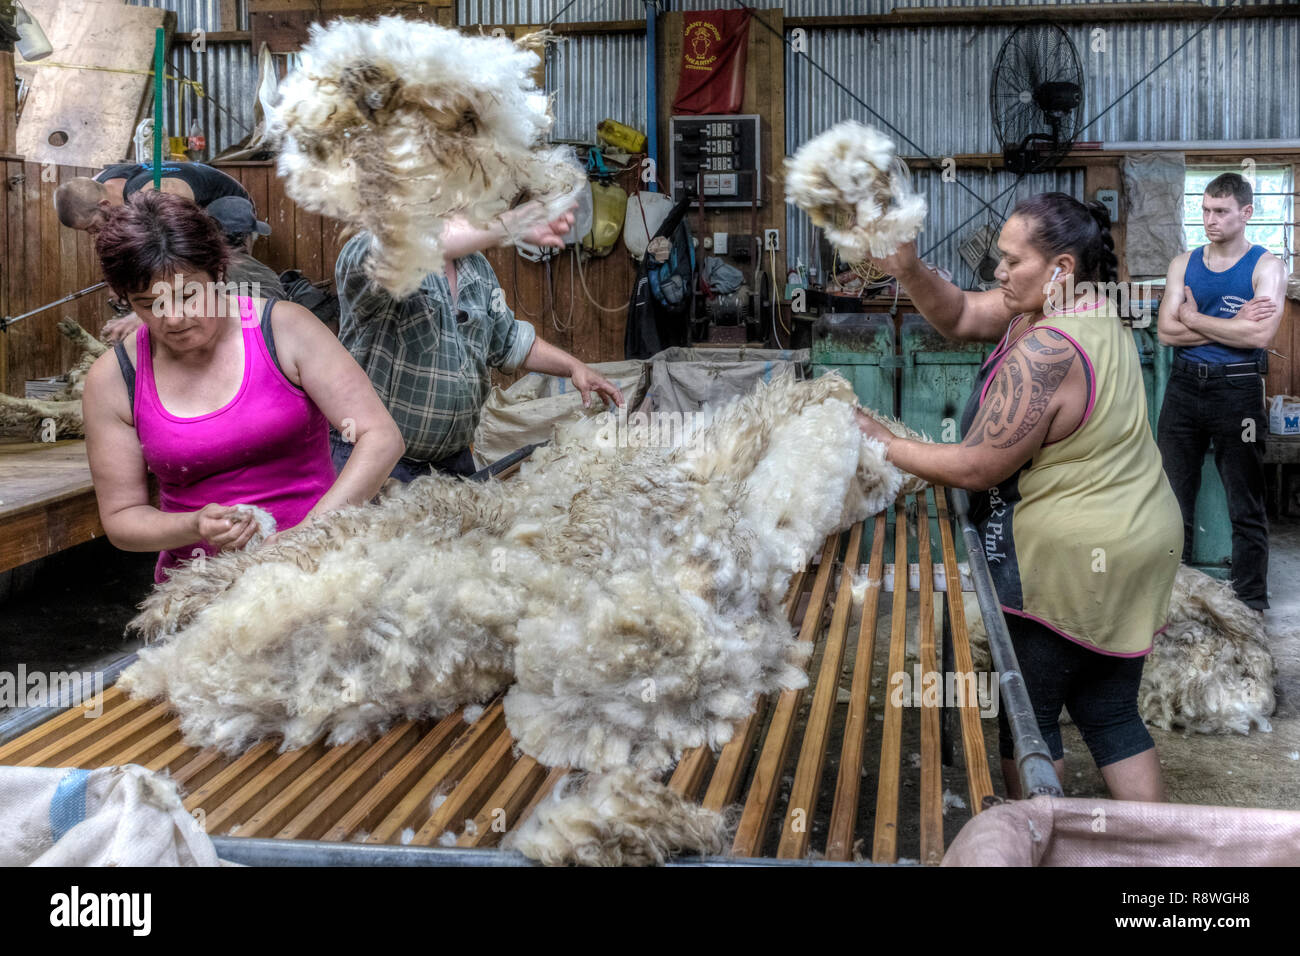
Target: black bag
656	321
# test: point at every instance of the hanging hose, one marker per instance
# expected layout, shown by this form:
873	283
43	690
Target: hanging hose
573	289
514	282
583	276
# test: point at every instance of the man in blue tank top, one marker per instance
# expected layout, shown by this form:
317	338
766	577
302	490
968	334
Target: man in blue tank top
1222	306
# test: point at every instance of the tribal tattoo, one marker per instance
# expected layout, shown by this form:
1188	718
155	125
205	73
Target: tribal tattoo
1031	379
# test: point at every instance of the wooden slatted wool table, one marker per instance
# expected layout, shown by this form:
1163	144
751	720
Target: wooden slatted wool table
453	786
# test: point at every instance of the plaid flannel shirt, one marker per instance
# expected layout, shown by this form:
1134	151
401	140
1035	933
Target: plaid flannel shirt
429	362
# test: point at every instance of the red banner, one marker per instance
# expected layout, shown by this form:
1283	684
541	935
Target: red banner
714	47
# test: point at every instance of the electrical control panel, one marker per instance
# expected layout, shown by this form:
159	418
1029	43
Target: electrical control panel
718	156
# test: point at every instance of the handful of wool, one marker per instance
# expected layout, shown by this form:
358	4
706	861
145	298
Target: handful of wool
398	126
849	182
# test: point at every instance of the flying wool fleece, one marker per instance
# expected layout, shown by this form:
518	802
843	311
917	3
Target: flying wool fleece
849	182
398	126
627	597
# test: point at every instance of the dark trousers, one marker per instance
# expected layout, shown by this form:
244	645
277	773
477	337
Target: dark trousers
1196	412
406	469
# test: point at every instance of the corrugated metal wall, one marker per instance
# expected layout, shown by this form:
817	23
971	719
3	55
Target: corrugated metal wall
226	71
1221	86
597	77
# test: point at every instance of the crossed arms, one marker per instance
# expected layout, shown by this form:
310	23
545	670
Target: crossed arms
1181	323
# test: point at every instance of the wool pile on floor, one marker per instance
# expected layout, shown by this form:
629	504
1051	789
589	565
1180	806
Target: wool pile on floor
627	597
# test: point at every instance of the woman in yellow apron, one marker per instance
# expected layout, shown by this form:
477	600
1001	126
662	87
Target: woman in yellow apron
1081	528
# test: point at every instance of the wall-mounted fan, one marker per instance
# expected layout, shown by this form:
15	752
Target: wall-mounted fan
1036	97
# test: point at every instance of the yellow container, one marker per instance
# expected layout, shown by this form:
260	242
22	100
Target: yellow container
621	137
608	207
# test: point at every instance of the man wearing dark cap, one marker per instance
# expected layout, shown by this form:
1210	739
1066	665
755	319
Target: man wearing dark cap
242	227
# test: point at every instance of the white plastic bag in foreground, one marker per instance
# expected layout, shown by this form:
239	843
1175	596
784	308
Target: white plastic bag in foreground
115	816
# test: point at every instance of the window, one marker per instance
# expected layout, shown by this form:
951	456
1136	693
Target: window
1272	224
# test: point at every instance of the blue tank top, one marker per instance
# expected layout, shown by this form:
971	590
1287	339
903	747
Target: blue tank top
1221	295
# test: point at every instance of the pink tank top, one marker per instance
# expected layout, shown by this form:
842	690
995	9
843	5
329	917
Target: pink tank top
267	446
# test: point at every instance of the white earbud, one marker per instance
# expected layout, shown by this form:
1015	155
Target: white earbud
1056	273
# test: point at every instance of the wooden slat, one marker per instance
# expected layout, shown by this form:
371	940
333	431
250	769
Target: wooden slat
125	734
43	734
465	800
767	775
689	774
260	788
173	755
300	790
724	785
198	768
552	780
812	754
931	772
449	768
885	843
844	811
74	738
359	779
230	778
972	733
388	790
501	810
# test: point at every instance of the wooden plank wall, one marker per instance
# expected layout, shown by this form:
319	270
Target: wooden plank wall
42	261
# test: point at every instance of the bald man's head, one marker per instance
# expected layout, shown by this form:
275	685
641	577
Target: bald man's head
82	203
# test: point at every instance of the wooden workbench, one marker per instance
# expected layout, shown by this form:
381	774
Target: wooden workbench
47	502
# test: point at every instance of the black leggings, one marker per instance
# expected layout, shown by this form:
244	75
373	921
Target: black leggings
1100	692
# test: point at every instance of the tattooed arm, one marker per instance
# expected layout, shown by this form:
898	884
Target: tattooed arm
1039	394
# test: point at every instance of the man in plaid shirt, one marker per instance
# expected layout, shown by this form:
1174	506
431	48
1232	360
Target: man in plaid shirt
429	355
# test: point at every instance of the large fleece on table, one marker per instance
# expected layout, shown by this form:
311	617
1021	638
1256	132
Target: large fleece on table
397	126
63	408
1210	671
850	183
628	597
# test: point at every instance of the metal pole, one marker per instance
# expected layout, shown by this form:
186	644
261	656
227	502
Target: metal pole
5	323
261	851
159	44
652	98
16	724
1033	759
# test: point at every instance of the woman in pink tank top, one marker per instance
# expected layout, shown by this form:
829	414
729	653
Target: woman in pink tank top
225	398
